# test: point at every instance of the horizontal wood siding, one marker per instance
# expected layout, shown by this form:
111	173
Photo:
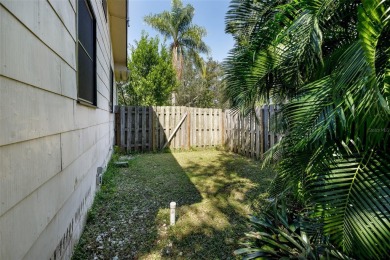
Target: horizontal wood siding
50	145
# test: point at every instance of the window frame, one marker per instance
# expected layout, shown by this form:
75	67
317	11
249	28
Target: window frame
104	5
79	45
111	103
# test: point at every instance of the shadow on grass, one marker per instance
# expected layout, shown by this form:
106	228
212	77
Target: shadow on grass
232	187
215	192
122	220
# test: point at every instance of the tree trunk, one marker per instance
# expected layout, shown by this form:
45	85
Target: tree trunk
177	60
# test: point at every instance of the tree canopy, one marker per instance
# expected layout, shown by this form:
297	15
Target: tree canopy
187	42
202	87
152	77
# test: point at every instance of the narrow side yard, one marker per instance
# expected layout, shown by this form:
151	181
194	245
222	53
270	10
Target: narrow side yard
214	190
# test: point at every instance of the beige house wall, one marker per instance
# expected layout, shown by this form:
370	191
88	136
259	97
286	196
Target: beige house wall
50	145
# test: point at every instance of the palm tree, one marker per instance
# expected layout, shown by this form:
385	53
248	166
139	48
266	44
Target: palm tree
187	42
331	60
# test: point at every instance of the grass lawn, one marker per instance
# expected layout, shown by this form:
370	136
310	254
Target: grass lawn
215	191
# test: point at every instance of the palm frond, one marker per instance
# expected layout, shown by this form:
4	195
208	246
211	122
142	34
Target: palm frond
329	60
161	22
352	195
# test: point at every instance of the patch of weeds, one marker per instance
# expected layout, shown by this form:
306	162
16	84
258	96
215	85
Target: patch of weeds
106	192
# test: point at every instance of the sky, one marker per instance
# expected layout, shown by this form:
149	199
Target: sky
208	13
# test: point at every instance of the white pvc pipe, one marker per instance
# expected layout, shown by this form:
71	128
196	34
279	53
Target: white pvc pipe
172	205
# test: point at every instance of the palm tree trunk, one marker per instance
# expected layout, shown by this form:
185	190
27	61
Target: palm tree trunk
177	61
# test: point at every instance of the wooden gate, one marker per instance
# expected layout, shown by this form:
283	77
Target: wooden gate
154	128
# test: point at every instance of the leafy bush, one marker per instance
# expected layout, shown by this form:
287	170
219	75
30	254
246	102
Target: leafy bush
286	234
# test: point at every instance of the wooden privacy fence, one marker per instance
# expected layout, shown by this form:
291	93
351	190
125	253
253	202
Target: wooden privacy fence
154	128
251	135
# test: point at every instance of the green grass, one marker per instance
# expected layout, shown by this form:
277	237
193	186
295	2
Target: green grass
215	191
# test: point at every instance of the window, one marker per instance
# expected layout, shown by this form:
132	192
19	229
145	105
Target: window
86	53
104	4
111	91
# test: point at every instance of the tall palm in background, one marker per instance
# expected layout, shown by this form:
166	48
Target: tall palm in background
328	62
187	42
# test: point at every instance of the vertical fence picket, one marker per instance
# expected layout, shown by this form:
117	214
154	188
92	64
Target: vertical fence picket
165	126
235	132
242	134
247	135
210	138
253	135
136	128
236	122
173	123
162	127
206	127
230	129
193	127
198	124
188	130
182	130
152	129
176	113
143	128
169	120
266	128
176	121
257	132
129	128
201	127
229	126
221	128
279	134
271	130
225	142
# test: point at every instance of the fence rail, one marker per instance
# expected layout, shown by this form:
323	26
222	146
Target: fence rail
153	128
